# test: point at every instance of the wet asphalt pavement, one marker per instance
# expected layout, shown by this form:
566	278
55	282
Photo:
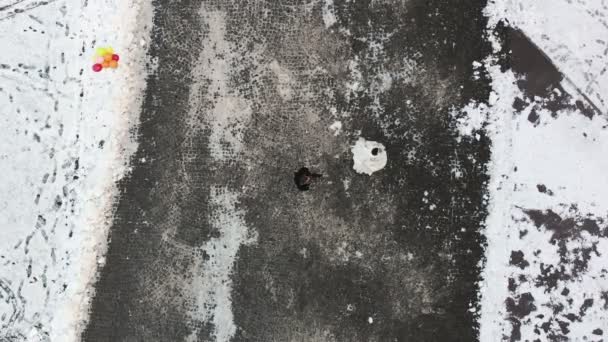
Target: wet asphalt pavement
212	241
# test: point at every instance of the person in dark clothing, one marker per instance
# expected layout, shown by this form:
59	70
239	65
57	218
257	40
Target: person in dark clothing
304	178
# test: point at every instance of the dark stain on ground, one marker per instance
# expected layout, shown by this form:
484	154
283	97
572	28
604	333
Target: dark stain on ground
522	306
573	262
551	275
563	326
538	77
543	189
512	284
517	259
516	329
565	228
358	258
585	306
518	308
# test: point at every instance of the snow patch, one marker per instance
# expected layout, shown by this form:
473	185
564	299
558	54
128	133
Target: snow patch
368	156
212	285
336	127
213	282
66	139
329	18
552	273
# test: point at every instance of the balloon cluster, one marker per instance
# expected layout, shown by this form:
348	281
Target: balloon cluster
105	58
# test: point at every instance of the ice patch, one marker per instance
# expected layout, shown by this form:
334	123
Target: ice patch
368	156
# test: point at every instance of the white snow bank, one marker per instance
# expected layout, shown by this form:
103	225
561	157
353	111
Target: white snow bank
65	140
557	165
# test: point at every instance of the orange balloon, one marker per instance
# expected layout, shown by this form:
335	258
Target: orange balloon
113	64
106	64
107	57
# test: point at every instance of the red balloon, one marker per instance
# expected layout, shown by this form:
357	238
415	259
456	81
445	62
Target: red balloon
97	67
115	57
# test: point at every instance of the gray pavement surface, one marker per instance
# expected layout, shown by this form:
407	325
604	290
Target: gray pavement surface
388	257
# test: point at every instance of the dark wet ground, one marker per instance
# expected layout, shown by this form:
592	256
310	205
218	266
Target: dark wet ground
539	78
400	247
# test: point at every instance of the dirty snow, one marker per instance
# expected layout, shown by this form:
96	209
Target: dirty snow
544	277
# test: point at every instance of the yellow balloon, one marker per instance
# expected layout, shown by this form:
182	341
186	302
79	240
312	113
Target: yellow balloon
109	50
100	51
